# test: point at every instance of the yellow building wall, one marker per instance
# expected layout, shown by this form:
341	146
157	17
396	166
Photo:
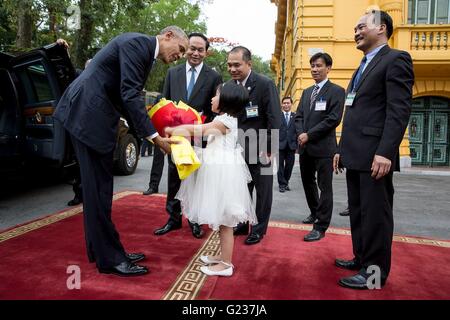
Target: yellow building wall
307	26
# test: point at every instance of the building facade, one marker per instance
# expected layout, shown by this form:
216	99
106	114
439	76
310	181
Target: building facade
421	27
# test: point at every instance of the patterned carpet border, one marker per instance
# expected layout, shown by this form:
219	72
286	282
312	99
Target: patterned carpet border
191	280
411	240
18	231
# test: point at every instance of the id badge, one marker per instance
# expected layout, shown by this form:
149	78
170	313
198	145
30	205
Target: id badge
349	100
251	111
321	106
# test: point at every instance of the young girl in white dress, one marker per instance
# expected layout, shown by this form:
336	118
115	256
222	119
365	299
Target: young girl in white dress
217	193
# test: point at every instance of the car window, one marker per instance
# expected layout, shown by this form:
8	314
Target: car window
36	83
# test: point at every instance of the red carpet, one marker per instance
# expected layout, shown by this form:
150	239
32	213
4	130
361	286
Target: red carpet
35	258
283	267
33	265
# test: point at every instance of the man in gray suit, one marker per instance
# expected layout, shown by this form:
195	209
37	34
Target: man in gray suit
90	109
194	83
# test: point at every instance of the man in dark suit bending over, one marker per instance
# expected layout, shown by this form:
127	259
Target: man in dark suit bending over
317	117
90	109
378	106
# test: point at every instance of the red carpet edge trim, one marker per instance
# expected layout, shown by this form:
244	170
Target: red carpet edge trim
191	280
398	238
37	224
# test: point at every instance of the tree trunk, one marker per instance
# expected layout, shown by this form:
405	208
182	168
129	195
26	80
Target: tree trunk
85	34
25	24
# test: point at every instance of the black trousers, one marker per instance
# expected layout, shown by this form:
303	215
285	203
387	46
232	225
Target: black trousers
285	166
173	206
157	169
102	239
262	181
371	219
320	206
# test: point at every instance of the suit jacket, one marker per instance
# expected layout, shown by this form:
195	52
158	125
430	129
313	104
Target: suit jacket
287	133
320	125
109	87
175	88
264	95
377	120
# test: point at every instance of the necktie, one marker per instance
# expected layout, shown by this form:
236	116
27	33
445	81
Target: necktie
314	96
359	74
286	116
191	83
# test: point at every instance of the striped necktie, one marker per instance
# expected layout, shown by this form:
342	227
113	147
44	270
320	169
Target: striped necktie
314	96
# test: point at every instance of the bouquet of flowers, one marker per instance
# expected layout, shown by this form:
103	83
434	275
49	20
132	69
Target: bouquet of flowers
168	114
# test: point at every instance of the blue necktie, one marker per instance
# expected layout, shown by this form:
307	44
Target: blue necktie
359	74
191	83
286	115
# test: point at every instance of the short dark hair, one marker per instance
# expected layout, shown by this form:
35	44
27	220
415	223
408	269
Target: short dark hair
385	19
246	54
201	35
322	55
287	98
233	98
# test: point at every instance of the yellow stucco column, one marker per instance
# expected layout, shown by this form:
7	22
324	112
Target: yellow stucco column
394	8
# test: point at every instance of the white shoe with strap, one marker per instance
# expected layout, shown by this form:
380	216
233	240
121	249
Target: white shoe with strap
208	260
228	272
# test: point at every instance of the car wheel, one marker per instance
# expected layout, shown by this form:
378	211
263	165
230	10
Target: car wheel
128	155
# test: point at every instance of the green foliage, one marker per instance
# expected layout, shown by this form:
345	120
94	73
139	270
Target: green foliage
102	20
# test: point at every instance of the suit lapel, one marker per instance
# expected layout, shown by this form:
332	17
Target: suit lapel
182	84
251	82
307	110
372	65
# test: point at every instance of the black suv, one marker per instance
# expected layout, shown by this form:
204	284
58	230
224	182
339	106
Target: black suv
31	85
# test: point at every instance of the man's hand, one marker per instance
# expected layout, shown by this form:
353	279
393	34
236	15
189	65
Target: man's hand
336	166
164	143
303	139
381	166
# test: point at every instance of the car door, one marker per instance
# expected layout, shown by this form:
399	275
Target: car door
41	77
10	117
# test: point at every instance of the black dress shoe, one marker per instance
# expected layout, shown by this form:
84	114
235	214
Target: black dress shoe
347	264
309	220
197	231
287	188
169	226
135	257
241	229
75	201
314	235
345	213
125	269
150	191
253	238
358	281
282	189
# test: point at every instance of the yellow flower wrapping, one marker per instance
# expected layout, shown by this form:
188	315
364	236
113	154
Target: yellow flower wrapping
184	157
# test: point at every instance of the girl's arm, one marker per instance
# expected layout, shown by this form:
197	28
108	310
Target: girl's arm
211	128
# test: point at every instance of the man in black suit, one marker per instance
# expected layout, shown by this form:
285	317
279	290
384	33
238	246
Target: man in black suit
90	109
194	83
287	146
378	106
260	117
317	117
